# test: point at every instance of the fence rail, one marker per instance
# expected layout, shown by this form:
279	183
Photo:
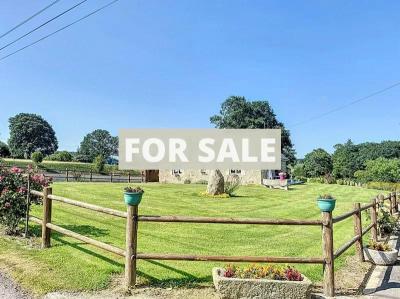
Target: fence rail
133	218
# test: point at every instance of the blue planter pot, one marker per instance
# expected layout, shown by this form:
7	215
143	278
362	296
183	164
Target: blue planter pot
326	205
132	199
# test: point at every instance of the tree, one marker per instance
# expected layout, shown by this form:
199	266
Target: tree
239	113
30	133
298	170
4	150
317	163
37	157
380	170
98	143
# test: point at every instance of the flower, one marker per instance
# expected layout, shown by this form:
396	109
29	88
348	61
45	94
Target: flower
15	169
7	205
22	190
1	178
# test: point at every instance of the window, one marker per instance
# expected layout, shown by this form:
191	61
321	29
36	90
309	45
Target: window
236	171
177	171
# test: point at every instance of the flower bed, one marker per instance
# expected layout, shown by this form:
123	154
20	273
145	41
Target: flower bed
261	282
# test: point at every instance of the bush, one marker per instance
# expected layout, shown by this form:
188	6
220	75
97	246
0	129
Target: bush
380	170
298	171
62	156
98	163
37	157
329	179
4	150
187	181
318	180
13	193
232	183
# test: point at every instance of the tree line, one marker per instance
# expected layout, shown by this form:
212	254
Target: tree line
364	162
31	136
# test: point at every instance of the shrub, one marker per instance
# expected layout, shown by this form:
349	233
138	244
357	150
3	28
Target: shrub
380	170
98	163
37	157
187	181
386	223
317	163
13	193
62	156
329	179
4	150
319	180
383	186
380	246
232	183
298	171
263	272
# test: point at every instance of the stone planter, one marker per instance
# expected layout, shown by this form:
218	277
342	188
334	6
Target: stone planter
384	258
237	288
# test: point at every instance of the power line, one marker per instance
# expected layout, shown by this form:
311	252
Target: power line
61	29
30	18
347	105
41	25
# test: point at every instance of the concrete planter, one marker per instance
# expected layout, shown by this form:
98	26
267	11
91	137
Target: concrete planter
384	258
237	288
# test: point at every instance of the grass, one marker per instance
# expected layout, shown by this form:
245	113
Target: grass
59	166
71	265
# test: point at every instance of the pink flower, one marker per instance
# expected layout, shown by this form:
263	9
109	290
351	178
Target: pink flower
7	205
1	178
5	190
22	190
15	169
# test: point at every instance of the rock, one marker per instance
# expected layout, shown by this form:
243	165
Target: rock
215	183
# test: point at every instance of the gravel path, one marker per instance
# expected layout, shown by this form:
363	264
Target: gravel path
10	290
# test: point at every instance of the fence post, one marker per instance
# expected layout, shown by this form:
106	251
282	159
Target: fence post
390	203
327	243
47	203
67	173
91	175
374	230
358	231
129	177
111	177
396	204
393	202
131	246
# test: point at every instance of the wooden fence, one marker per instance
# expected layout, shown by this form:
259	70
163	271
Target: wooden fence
133	218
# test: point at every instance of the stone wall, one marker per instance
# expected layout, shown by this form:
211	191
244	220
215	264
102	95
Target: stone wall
201	175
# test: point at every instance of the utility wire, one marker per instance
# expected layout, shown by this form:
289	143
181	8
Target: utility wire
61	29
346	105
41	25
30	18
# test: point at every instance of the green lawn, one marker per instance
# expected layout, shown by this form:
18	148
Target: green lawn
72	265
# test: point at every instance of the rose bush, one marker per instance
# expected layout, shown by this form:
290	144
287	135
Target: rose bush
13	193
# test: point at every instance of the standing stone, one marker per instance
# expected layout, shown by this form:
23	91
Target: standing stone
215	183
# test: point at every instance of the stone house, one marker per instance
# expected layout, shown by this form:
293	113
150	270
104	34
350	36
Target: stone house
179	176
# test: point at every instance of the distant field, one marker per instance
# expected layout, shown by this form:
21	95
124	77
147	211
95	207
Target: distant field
58	166
72	265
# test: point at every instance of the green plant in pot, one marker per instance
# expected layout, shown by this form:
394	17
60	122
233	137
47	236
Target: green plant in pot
326	203
133	196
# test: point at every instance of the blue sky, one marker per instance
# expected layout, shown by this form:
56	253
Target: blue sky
170	64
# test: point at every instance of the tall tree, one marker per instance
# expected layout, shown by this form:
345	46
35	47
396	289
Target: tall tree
98	143
30	133
317	163
239	113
